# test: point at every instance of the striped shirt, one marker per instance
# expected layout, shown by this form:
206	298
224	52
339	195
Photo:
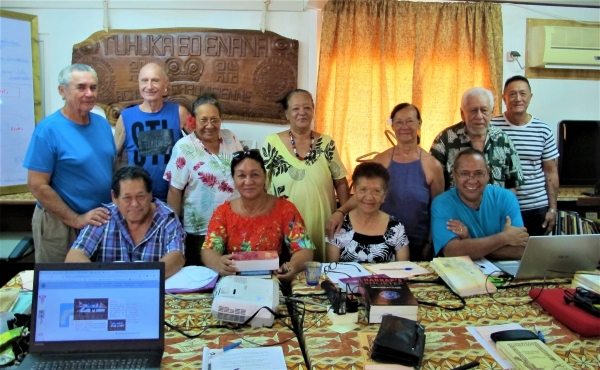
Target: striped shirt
535	143
112	242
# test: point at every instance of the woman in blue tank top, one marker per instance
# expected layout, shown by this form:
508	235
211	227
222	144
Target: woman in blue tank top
416	178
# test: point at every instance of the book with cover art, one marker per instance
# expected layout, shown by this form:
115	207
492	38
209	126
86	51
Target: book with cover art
382	296
462	276
256	261
531	354
365	340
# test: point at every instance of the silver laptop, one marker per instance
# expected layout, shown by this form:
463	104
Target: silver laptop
88	312
555	256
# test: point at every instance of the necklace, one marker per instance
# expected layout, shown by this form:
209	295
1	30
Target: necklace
312	141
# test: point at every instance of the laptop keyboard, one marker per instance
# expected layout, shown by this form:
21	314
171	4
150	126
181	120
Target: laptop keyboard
121	364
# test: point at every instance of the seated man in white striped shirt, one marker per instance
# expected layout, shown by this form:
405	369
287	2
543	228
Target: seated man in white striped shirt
537	150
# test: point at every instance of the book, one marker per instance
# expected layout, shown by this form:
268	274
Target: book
589	280
260	358
382	296
531	355
256	261
462	276
365	341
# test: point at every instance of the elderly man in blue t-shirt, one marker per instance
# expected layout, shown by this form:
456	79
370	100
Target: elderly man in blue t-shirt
476	219
70	163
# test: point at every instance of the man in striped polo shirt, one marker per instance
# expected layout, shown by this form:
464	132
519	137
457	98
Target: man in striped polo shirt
537	150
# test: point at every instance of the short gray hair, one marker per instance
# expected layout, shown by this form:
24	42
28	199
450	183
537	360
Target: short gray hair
66	74
477	91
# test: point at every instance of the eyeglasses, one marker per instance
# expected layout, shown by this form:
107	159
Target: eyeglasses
408	122
252	153
477	175
205	121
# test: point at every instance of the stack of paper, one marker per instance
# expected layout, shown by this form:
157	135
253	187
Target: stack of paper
399	269
462	276
191	279
244	358
339	270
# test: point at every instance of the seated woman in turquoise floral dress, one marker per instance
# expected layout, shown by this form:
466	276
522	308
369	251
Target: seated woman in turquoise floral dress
256	221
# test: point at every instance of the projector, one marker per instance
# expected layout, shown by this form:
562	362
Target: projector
236	298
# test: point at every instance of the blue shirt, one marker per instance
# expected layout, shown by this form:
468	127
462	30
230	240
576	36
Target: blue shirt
79	158
488	220
112	241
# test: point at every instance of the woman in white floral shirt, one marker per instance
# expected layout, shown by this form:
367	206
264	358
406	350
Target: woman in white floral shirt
199	173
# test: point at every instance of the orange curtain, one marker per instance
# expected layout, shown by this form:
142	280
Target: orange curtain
379	53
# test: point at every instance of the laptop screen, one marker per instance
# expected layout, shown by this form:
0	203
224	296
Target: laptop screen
103	302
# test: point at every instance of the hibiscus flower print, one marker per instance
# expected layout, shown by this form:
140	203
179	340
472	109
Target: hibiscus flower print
197	166
180	162
168	176
208	179
225	187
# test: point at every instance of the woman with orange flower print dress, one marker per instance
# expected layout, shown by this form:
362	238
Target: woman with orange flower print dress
256	221
198	173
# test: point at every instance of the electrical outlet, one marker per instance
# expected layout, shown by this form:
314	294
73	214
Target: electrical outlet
509	57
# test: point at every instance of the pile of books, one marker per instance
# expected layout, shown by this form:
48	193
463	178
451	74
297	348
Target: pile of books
569	223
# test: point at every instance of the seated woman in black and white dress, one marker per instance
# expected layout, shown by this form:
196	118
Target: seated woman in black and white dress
367	234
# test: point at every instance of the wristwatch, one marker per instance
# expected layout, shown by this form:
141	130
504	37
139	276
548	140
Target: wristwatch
551	210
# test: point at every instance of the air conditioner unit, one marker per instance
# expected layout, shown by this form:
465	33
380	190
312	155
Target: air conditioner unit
563	47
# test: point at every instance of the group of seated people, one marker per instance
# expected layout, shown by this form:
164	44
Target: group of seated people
222	199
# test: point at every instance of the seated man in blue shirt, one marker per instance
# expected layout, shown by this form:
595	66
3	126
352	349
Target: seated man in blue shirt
490	213
140	228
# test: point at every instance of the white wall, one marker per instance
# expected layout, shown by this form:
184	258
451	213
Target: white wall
553	100
60	29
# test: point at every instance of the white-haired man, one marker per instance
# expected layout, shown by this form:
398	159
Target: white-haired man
70	163
475	132
148	132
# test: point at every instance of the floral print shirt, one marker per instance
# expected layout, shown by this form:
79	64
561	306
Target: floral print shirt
499	150
204	177
229	232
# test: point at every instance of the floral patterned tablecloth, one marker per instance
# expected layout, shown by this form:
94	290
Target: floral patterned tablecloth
192	314
448	343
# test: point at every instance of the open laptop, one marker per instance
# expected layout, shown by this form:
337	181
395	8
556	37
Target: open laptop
544	255
112	312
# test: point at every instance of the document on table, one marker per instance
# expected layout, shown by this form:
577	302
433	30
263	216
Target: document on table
190	278
399	269
339	270
244	359
26	279
483	336
487	267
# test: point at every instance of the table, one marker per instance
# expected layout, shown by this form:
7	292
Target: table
190	315
448	343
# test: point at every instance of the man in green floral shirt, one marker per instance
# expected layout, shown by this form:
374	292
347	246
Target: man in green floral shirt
476	132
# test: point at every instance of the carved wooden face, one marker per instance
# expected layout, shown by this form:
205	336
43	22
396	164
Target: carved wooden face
300	110
153	83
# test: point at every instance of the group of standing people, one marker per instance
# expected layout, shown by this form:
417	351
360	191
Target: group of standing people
205	197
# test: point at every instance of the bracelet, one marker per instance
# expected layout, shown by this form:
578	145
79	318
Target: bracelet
338	210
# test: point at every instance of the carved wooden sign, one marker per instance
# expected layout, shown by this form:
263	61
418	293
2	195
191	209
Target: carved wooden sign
249	71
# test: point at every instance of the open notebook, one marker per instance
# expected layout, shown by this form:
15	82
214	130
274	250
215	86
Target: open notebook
111	312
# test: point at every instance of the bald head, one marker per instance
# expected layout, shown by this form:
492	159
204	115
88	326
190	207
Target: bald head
153	81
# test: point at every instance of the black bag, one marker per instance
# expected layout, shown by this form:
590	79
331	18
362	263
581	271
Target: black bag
399	341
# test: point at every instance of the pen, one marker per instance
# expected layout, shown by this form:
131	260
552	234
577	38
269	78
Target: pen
225	349
470	365
397	269
540	334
